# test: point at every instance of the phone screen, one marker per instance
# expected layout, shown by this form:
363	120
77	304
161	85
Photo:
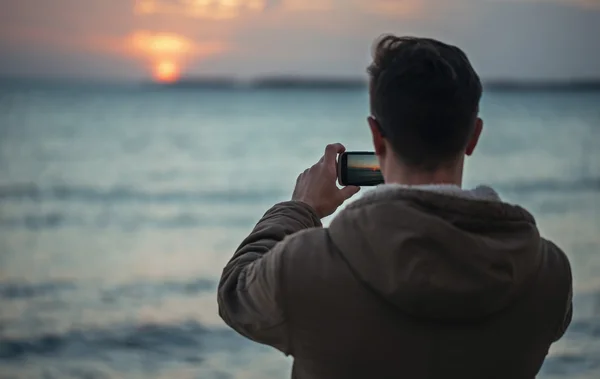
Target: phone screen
361	169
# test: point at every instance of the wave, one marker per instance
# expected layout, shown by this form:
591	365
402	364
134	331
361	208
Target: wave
188	342
125	194
551	185
583	335
177	341
570	364
35	221
584	329
56	220
141	290
15	290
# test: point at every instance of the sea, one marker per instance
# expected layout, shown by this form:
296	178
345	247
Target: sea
121	204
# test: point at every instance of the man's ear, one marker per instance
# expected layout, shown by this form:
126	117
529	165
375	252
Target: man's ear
475	137
378	141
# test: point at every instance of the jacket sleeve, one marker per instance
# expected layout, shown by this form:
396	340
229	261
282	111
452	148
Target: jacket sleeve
250	295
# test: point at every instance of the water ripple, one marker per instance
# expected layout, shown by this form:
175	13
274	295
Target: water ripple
174	341
125	194
16	290
142	290
57	220
551	185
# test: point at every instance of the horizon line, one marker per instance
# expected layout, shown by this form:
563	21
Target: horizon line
291	81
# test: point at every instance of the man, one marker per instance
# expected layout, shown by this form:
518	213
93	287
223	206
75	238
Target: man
419	278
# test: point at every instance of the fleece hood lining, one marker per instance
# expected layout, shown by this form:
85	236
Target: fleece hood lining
481	193
480	202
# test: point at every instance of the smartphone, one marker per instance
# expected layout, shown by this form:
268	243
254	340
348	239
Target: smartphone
359	168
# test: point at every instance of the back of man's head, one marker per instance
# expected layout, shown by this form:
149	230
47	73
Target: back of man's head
425	96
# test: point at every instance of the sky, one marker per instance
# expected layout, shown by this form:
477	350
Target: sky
167	39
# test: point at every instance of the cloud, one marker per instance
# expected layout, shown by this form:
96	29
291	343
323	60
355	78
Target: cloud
589	4
425	10
105	29
309	5
396	7
230	9
210	9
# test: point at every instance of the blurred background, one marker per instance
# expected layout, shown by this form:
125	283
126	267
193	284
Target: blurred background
141	140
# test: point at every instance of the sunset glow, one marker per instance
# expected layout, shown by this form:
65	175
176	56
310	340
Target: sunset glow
166	72
110	39
363	162
168	53
160	44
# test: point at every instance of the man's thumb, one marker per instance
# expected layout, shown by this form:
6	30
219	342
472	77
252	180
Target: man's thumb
348	192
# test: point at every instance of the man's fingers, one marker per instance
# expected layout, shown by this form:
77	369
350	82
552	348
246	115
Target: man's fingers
332	151
302	175
348	192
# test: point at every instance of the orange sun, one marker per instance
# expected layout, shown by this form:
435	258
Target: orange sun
166	72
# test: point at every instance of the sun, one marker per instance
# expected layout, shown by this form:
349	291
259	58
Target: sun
166	72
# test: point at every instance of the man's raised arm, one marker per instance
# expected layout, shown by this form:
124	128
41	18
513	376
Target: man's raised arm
250	299
250	293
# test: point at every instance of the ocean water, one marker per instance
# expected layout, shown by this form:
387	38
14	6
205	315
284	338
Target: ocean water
119	207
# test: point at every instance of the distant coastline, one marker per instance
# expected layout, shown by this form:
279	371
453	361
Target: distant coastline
271	83
298	83
542	86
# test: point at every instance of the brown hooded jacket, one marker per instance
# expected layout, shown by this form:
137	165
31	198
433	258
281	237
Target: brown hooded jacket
405	283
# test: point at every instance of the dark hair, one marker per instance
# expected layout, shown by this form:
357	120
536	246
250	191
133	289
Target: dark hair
425	95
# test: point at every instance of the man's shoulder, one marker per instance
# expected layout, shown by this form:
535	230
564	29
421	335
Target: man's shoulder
554	280
307	241
311	251
554	258
556	283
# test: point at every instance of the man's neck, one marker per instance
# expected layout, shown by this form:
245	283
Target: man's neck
409	177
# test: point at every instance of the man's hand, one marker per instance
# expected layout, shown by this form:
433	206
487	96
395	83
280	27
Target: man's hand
317	185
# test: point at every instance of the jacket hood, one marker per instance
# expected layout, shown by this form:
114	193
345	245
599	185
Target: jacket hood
450	254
